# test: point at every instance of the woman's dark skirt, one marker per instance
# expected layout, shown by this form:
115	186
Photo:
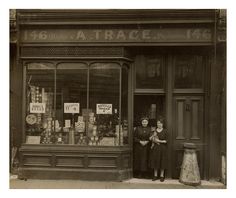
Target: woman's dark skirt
158	157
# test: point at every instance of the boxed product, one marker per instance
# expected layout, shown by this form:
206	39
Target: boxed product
107	141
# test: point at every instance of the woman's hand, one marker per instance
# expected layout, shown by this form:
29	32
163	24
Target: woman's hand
151	137
156	139
160	141
143	143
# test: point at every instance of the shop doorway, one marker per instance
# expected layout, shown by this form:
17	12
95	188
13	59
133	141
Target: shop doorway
152	106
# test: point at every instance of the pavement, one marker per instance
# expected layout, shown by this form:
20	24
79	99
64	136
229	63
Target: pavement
133	183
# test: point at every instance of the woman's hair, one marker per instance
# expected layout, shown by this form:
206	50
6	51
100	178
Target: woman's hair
144	118
161	119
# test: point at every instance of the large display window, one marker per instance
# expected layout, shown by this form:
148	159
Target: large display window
77	103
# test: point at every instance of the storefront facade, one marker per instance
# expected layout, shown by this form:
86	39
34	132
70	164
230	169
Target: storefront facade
86	77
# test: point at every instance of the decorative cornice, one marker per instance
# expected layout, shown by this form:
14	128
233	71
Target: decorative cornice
136	17
128	16
13	26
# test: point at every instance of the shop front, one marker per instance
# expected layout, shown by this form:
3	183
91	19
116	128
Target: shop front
89	76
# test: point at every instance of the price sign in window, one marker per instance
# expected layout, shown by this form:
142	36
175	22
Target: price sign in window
71	107
104	109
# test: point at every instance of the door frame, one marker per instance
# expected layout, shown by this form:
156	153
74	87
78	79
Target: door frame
204	93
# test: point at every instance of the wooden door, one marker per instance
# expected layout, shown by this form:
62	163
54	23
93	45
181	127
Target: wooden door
188	120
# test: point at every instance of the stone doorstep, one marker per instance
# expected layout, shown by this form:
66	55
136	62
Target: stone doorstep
173	182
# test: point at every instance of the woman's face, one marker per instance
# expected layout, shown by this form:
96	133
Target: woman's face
144	123
159	125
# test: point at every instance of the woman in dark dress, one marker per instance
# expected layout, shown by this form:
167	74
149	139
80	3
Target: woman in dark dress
141	148
158	151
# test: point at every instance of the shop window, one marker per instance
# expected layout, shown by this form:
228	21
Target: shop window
77	103
71	101
149	72
104	103
39	102
124	106
189	72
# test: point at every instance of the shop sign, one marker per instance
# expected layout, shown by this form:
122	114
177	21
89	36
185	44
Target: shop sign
37	107
71	107
158	35
104	109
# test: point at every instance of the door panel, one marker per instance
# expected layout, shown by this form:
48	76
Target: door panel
179	116
187	127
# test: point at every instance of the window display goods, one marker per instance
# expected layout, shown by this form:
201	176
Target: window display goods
66	114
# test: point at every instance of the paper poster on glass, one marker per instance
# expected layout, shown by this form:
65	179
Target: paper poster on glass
104	109
37	107
71	107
